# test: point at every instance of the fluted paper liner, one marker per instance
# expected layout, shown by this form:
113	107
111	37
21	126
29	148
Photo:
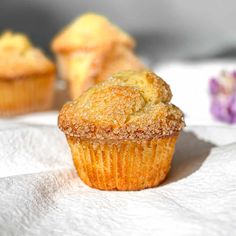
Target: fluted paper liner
26	95
123	165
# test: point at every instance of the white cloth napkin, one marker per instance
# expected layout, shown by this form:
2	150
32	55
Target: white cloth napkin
41	194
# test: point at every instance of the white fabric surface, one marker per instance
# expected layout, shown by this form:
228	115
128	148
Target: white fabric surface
40	193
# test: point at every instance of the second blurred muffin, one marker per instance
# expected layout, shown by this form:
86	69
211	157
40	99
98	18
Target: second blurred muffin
26	76
91	49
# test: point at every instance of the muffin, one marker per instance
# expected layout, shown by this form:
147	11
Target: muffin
90	49
122	132
26	76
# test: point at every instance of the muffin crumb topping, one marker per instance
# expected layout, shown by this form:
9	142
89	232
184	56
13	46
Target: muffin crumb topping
19	58
78	35
130	105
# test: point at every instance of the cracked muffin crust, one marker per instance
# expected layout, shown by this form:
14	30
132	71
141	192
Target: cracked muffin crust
129	105
122	132
18	57
90	31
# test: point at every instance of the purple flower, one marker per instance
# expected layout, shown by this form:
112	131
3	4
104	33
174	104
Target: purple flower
223	95
216	108
232	106
234	74
214	86
221	110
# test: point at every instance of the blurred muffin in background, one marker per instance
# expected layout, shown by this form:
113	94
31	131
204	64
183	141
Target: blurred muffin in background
90	49
26	76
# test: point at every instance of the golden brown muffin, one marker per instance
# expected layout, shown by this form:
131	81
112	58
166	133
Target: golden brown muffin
26	76
90	49
122	132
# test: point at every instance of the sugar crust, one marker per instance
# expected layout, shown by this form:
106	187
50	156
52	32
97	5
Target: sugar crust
130	105
19	58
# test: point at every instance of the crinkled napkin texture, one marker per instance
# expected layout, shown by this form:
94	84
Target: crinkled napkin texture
41	194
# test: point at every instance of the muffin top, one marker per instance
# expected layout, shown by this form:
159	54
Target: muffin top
88	32
130	105
19	58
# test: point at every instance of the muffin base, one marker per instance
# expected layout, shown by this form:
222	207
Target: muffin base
62	61
123	165
23	95
80	69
